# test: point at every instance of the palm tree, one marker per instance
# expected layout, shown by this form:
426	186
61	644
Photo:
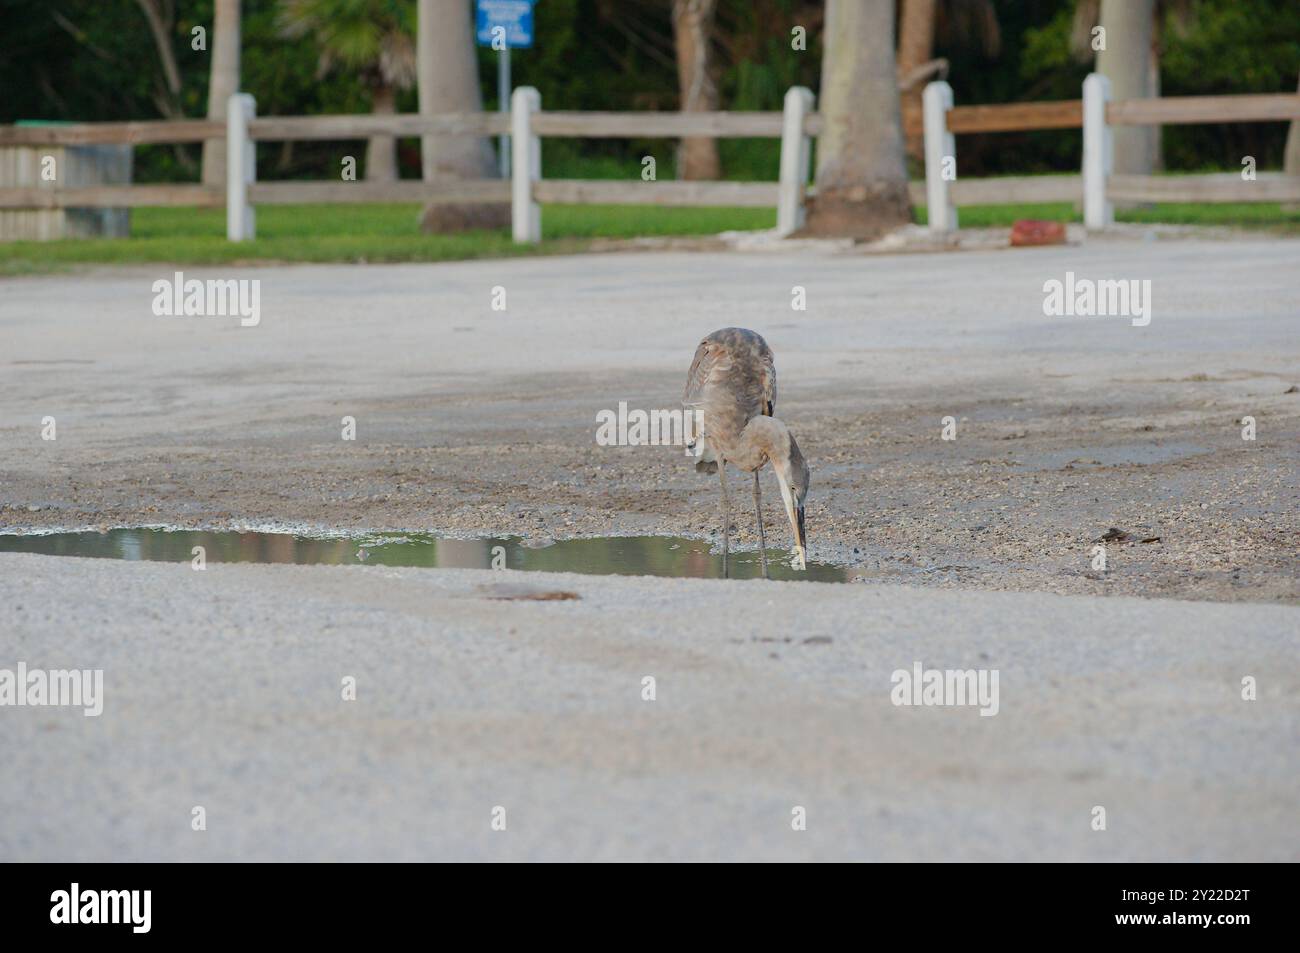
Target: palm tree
1131	61
697	158
950	23
915	64
1132	64
1291	156
222	84
448	83
374	39
861	175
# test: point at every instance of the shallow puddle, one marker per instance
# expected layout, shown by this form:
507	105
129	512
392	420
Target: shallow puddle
616	555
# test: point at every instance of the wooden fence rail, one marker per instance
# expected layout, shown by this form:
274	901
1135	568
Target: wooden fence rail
1212	188
675	194
591	125
109	133
111	196
308	128
1175	110
1016	117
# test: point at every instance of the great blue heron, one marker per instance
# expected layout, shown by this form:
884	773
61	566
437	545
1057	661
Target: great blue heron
732	383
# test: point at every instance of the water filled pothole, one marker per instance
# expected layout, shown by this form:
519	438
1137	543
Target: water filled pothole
613	555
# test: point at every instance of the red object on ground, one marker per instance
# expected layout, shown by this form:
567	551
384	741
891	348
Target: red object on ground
1029	231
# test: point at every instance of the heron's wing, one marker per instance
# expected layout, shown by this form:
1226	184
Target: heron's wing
750	373
706	359
738	364
767	382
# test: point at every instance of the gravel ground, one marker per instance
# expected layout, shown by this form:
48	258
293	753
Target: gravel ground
474	421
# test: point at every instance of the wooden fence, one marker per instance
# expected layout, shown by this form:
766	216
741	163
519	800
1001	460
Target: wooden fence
796	126
276	129
242	130
1097	188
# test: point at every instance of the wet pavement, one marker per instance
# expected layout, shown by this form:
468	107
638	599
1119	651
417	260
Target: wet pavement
624	556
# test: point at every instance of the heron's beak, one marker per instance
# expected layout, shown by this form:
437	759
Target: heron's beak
795	512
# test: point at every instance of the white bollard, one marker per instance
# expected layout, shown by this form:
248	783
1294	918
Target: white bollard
796	152
1098	153
241	168
940	146
526	165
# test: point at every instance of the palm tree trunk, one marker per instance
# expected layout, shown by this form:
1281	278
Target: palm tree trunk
448	83
915	47
692	28
1153	90
1291	156
381	152
1127	62
861	176
222	84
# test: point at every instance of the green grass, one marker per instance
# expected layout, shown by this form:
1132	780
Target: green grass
390	233
1266	216
360	233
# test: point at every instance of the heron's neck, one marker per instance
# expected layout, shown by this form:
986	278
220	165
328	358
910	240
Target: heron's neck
764	438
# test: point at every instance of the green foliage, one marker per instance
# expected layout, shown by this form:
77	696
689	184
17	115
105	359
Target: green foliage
85	62
371	38
1248	46
1220	47
82	61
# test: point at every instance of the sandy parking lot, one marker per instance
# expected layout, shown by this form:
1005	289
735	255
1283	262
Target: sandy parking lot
471	420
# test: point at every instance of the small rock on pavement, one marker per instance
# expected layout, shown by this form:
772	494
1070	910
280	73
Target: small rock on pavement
1029	231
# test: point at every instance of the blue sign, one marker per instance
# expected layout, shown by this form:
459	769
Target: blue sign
513	16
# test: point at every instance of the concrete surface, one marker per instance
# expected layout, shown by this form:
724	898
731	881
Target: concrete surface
222	689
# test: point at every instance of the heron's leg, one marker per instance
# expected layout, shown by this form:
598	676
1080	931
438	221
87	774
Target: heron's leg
726	515
762	540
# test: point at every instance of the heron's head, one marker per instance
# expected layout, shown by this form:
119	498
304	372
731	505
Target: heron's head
793	473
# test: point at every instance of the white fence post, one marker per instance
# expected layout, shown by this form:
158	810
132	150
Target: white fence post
526	165
940	146
1098	153
241	168
796	152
